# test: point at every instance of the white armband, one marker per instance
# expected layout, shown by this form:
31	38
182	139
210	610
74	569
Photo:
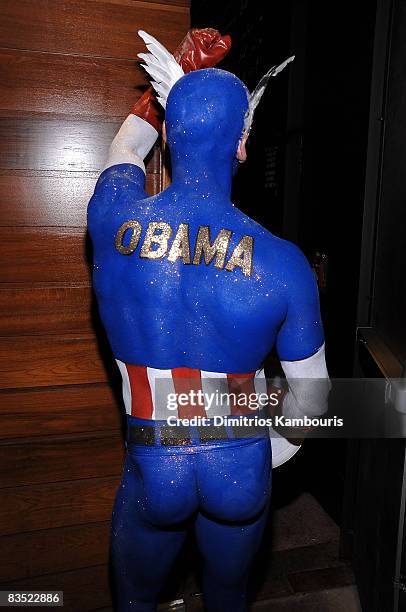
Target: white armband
132	143
309	386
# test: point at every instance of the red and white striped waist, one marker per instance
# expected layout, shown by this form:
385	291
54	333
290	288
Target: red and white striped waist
152	393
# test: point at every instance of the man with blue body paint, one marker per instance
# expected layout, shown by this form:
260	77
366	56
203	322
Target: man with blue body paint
193	295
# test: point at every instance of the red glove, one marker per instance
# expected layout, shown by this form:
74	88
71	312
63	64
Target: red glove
199	49
202	49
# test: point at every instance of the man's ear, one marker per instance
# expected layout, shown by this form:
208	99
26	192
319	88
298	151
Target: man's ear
242	151
164	132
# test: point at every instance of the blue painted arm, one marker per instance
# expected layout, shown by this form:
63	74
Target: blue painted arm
301	333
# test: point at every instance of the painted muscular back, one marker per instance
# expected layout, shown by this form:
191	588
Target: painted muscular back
184	278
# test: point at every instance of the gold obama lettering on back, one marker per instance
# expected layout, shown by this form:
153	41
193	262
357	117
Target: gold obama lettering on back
136	227
160	239
218	249
159	233
180	245
242	256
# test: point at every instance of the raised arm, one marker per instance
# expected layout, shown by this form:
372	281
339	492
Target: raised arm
202	48
132	143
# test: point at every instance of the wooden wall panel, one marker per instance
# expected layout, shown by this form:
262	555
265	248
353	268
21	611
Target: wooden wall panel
90	27
45	309
43	144
60	459
44	361
23	251
47	506
69	75
84	589
53	550
58	410
26	88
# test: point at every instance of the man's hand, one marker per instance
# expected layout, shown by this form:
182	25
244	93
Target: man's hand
203	48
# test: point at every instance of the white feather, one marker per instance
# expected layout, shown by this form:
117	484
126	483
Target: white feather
161	66
155	47
162	89
258	92
157	73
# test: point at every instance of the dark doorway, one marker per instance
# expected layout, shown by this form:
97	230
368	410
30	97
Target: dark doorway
305	180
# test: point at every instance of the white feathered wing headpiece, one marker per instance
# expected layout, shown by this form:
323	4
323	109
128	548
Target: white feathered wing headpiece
256	95
161	66
165	72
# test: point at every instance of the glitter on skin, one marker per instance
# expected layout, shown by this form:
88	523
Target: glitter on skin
167	314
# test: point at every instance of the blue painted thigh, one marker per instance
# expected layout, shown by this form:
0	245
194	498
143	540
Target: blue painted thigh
155	495
234	487
228	550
